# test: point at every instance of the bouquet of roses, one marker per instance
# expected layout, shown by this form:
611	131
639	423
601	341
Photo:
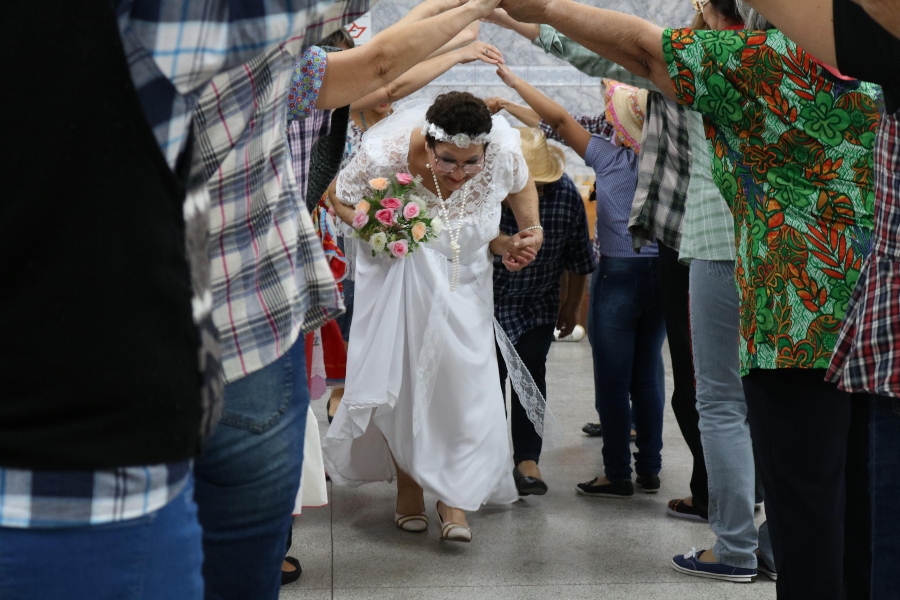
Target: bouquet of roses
393	219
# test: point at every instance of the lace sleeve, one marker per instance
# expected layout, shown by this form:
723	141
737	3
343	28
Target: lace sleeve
353	180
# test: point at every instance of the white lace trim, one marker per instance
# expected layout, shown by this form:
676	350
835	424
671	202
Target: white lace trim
385	151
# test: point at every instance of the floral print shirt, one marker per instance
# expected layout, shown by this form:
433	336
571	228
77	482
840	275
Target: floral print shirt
306	81
792	155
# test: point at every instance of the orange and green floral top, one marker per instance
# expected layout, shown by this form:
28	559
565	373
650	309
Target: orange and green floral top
792	155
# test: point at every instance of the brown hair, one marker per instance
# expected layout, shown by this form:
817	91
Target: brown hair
338	39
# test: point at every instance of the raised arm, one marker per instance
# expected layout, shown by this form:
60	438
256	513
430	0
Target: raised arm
573	134
529	31
424	73
463	38
522	113
630	41
354	73
554	43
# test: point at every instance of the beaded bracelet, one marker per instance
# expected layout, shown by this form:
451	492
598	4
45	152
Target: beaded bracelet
534	227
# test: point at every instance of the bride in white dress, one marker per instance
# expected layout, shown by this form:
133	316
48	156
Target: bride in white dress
422	385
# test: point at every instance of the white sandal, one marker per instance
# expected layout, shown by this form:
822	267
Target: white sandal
453	532
412	523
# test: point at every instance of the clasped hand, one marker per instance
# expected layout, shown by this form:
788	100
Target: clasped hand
521	250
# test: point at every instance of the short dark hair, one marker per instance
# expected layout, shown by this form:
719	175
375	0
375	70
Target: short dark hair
459	112
728	9
338	39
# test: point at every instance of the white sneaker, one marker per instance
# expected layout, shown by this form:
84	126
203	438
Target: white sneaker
576	336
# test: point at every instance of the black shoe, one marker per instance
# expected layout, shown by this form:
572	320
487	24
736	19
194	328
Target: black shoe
592	429
528	485
328	411
615	489
291	576
648	483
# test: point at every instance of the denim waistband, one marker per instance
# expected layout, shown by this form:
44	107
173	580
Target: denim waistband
638	263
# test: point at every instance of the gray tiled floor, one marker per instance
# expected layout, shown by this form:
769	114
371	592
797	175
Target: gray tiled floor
561	546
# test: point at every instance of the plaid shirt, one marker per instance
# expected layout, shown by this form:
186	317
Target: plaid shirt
664	173
170	63
269	274
302	136
707	232
530	298
867	354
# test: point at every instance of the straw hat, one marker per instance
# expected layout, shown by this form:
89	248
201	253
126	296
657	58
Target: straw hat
545	162
625	109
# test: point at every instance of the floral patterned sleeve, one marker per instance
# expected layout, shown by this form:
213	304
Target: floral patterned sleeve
791	153
306	83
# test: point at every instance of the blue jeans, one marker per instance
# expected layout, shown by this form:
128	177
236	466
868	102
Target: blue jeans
724	429
885	473
247	479
154	557
627	331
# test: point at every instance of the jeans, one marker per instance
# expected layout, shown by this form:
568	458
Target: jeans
675	292
811	444
724	429
627	331
885	485
154	557
247	479
533	347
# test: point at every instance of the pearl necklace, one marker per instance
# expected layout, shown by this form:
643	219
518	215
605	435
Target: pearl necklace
454	233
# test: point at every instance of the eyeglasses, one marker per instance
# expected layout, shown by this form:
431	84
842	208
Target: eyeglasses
699	5
445	167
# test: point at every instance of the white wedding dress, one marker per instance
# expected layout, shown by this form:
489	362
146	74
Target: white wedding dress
422	375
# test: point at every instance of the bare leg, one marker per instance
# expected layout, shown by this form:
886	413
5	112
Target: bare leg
337	394
410	497
452	515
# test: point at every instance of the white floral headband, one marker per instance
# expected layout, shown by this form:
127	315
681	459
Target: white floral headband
460	140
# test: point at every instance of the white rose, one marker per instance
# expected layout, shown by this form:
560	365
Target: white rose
437	225
378	241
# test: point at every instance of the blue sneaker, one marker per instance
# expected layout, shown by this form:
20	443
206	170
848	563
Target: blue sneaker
690	564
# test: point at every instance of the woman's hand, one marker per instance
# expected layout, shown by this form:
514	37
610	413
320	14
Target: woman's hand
521	250
501	18
478	50
508	77
495	104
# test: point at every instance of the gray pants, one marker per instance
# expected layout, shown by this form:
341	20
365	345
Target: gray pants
724	429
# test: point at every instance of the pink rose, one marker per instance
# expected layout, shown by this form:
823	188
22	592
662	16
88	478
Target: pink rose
385	216
360	220
392	203
404	178
399	249
411	211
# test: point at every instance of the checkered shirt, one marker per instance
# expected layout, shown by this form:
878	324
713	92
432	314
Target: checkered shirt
867	354
269	274
302	136
174	49
595	124
530	298
664	173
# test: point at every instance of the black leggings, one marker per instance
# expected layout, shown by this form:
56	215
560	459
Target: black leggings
533	347
811	444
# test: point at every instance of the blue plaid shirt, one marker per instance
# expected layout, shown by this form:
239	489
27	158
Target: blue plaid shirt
530	298
174	49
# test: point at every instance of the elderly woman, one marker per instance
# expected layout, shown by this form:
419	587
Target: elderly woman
791	153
